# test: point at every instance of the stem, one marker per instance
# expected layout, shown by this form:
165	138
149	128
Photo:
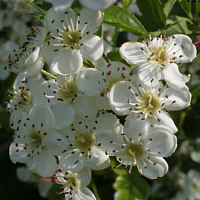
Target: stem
94	188
105	58
48	74
182	118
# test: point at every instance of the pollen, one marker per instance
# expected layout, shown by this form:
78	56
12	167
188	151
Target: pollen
24	136
150	106
76	137
26	144
67	30
134	164
81	134
59	90
130	151
159	48
146	95
64	82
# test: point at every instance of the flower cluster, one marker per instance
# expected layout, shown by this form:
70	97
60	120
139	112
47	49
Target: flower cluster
69	123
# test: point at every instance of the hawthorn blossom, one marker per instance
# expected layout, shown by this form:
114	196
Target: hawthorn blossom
72	40
26	62
83	150
36	141
67	101
74	184
150	104
94	82
141	145
157	58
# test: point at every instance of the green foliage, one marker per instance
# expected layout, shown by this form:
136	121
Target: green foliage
127	3
130	186
36	6
115	56
121	18
186	7
152	14
168	7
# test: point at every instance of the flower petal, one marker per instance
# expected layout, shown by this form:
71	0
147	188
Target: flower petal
173	77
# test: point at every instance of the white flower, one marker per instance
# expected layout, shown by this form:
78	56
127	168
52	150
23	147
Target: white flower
83	150
98	83
149	103
26	62
140	145
36	142
73	184
91	4
26	175
72	40
67	101
157	58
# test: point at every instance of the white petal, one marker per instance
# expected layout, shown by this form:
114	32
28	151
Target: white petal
148	72
103	102
60	5
44	164
84	176
85	107
132	53
105	137
163	141
92	48
54	143
109	121
119	96
67	62
173	77
134	126
93	18
184	47
42	117
96	4
180	98
33	57
68	159
85	193
88	81
99	160
153	170
64	114
166	120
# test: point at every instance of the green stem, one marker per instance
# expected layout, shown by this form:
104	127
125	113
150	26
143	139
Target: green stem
105	58
182	118
94	188
48	74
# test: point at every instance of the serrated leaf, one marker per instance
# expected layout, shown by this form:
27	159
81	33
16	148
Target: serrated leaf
115	56
186	6
131	186
168	7
36	6
152	14
121	18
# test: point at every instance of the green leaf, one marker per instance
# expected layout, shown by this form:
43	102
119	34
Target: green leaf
115	56
198	8
131	186
186	6
168	6
152	14
100	31
38	1
37	7
127	3
121	18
